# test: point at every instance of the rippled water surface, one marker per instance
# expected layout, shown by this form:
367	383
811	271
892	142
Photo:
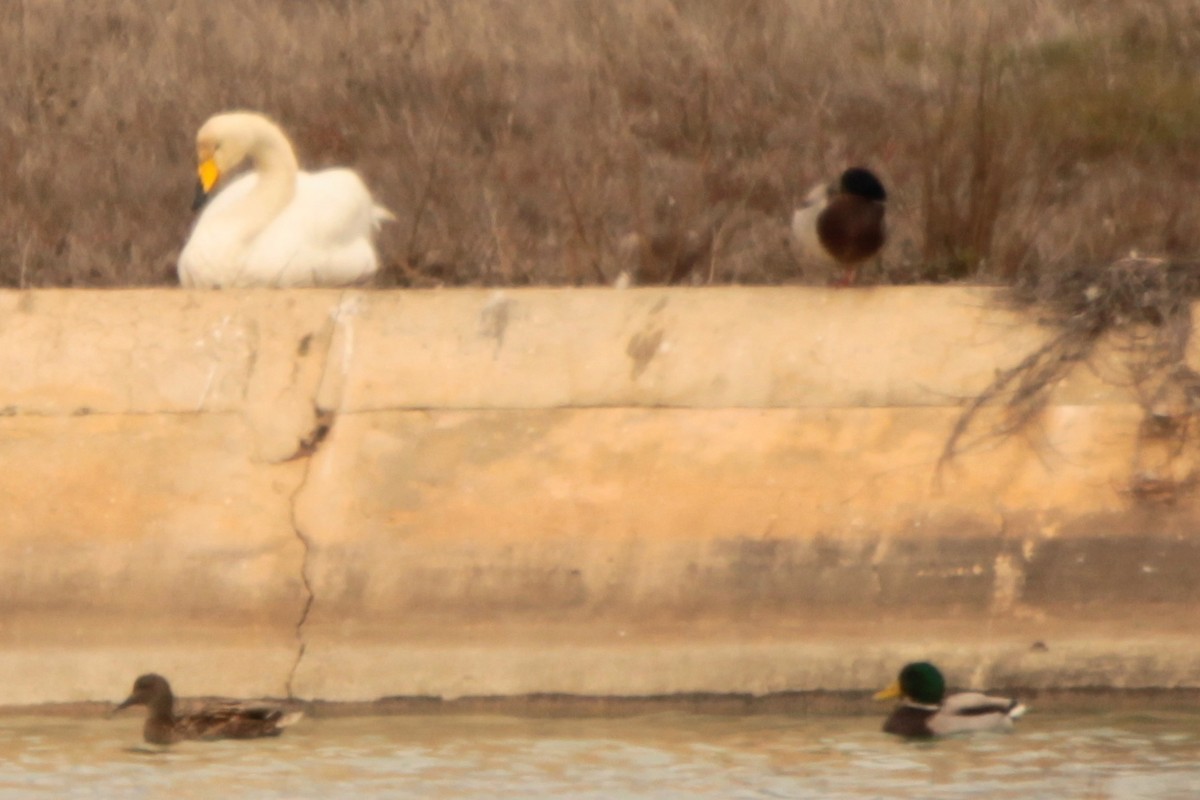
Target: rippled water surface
658	756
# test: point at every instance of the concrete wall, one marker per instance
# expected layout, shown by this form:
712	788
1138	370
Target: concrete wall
352	495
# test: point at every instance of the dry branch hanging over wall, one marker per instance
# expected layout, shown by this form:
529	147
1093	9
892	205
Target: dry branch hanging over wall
1144	305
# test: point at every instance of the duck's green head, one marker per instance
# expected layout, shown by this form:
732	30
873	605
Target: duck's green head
920	681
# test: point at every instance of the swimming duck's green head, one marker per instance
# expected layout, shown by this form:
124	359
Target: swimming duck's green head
920	681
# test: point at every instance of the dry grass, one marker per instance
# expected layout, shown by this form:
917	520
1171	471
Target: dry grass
519	142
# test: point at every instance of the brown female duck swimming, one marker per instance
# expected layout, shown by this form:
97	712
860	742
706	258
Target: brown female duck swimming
222	721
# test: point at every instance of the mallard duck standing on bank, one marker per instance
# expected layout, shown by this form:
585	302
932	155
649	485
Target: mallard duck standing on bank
924	710
842	222
223	721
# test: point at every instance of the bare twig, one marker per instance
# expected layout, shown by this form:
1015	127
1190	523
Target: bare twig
1148	301
427	189
577	220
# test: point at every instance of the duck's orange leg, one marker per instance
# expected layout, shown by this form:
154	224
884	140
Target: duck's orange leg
848	277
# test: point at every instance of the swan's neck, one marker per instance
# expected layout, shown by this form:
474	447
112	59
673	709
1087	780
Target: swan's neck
274	163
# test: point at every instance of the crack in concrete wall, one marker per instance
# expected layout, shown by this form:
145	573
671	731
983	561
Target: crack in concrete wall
324	418
310	595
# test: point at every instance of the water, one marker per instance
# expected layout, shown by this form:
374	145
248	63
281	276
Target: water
657	756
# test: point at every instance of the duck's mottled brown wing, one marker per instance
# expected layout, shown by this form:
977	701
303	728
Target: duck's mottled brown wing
235	721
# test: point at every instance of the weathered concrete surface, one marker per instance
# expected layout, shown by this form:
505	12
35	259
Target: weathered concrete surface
134	542
350	495
703	348
662	535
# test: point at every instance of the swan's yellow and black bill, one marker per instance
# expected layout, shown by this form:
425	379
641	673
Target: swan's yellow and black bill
209	174
889	692
200	198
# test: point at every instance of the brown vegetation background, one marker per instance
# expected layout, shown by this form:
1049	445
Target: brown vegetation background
518	142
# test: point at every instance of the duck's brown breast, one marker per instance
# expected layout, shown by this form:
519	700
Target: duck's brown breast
851	228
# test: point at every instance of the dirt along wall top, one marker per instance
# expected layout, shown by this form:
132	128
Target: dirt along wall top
348	495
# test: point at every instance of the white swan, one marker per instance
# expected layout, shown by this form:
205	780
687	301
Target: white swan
276	226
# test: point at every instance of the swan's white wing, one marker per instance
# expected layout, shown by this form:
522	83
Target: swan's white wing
335	204
324	237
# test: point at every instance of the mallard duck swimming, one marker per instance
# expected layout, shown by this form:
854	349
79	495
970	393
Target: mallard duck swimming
277	225
224	721
924	710
842	222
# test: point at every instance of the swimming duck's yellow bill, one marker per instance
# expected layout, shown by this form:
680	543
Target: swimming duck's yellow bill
889	692
209	174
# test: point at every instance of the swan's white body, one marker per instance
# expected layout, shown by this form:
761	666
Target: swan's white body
277	226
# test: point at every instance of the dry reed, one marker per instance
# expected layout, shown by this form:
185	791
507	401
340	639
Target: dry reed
520	142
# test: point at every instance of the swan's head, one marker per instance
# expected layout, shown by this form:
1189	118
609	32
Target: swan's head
227	140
